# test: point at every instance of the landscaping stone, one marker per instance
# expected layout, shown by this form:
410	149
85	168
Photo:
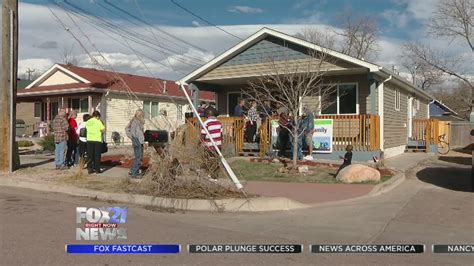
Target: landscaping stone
358	173
303	169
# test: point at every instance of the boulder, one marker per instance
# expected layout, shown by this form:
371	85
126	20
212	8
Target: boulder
355	173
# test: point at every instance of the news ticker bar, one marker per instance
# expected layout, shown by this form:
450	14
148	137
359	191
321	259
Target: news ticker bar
123	249
263	248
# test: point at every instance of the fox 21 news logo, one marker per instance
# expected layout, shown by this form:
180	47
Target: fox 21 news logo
104	223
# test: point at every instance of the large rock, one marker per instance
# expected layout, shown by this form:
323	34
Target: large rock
355	173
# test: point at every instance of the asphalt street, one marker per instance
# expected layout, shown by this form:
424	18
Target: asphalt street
433	206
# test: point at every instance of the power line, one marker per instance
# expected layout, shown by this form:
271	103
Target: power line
203	19
150	25
131	35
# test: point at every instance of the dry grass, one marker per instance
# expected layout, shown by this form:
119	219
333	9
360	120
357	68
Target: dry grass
179	171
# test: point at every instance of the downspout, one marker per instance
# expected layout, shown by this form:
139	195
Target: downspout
221	157
381	114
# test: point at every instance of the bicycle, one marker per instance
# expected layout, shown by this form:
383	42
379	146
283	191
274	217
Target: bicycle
443	146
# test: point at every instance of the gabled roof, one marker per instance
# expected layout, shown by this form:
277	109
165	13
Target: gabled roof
264	32
94	80
444	107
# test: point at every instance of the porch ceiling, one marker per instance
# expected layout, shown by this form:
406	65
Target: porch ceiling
238	78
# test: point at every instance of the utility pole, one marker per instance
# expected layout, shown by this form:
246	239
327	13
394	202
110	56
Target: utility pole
29	71
8	76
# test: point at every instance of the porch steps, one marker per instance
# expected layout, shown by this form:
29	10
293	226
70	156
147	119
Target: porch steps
250	150
416	146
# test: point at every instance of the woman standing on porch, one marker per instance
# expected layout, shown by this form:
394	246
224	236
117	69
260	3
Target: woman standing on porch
251	127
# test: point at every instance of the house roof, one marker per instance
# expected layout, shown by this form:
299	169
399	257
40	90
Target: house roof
444	107
264	32
22	83
95	80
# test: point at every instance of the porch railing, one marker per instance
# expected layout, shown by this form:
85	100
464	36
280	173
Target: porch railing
232	129
360	131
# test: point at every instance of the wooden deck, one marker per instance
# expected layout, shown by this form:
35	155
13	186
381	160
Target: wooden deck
361	131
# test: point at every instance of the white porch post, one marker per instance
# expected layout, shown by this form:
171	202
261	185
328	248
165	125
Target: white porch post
89	102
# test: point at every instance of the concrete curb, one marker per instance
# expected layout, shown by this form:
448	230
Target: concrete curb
259	204
388	185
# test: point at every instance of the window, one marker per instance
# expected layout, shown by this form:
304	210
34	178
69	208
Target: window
397	100
80	105
54	109
343	100
38	110
179	113
151	109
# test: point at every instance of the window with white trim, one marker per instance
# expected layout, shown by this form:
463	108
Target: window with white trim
397	100
344	100
80	105
151	109
179	112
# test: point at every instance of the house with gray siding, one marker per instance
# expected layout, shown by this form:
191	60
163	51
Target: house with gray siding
374	108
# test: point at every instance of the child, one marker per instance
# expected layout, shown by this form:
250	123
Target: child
347	159
214	126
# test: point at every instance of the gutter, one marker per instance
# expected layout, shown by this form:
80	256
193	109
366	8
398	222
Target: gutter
404	83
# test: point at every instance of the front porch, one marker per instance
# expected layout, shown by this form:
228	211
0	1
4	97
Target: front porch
361	131
46	108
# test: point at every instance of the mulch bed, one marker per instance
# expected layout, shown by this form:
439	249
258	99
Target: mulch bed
120	161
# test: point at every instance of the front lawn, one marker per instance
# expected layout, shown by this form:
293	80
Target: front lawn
264	171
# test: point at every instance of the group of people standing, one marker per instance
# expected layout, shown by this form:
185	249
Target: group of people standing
304	133
73	141
251	116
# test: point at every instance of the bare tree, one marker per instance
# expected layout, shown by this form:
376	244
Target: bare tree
459	99
288	82
444	62
68	56
454	19
423	75
322	38
359	35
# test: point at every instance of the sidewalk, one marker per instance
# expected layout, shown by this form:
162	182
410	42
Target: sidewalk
407	161
306	193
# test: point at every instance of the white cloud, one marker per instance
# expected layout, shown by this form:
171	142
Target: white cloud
196	23
245	9
171	64
396	18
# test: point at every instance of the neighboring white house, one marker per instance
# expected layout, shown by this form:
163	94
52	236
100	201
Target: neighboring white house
86	90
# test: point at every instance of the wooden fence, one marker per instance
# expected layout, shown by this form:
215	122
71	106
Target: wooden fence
460	133
427	130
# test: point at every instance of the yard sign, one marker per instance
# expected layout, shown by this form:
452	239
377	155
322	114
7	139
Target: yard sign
322	136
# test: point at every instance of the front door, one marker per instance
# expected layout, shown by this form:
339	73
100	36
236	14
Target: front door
233	99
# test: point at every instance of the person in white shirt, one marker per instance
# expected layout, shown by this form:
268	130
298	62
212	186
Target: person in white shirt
82	133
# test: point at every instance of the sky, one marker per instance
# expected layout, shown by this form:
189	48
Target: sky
172	42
